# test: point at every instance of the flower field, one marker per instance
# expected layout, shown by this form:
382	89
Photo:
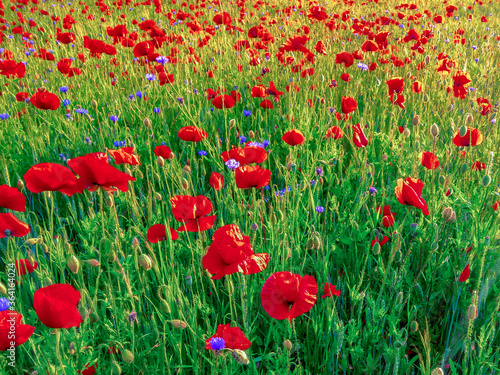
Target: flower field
249	187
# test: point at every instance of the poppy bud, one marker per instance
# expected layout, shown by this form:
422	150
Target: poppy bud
292	167
416	120
486	180
376	248
437	371
288	345
73	263
316	242
463	131
127	356
434	130
165	307
251	134
83	312
468	118
492	117
185	184
42	89
94	104
178	323
147	122
48	194
449	215
187	169
161	161
112	256
128	171
135	242
189	280
232	123
109	201
93	317
450	107
139	174
332	161
426	98
442	180
117	370
463	168
472	312
309	244
414	326
20	185
406	132
427	60
158	196
397	256
30	242
240	356
145	262
3	288
378	82
93	262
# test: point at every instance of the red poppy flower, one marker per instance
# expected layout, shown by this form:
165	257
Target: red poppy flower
472	137
22	96
381	242
496	206
461	83
222	19
485	105
158	232
89	370
348	105
192	212
285	295
192	134
293	137
56	306
335	132
24	266
164	151
11	68
233	337
266	104
396	86
344	58
408	192
388	221
12	198
223	101
330	290
249	155
95	172
417	87
358	136
51	177
125	155
478	166
45	100
216	181
247	177
11	321
465	274
369	46
345	77
231	252
11	226
429	160
259	91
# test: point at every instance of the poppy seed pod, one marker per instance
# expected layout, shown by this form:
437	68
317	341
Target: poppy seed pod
127	356
434	130
145	262
178	323
288	345
437	371
147	122
20	185
416	120
73	264
472	312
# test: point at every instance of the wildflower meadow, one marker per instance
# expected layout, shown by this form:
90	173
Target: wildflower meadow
249	187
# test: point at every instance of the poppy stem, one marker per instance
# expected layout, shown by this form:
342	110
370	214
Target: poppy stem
58	342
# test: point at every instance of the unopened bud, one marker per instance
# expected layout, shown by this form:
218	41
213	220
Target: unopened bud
145	262
161	161
165	307
94	104
427	60
291	166
463	131
158	196
128	171
449	215
147	122
30	242
434	130
187	169
376	248
83	312
288	345
414	326
20	185
240	356
185	184
139	174
178	324
442	180
127	356
73	263
437	371
468	118
406	132
3	288
135	242
486	180
112	256
416	120
93	262
232	123
110	201
117	370
426	98
472	312
251	134
464	168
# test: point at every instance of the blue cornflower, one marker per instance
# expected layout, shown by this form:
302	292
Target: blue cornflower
319	171
64	89
232	164
82	111
247	113
162	60
256	144
156	110
150	77
139	94
62	157
243	139
4	116
66	102
180	100
87	140
320	209
362	66
69	117
131	97
266	143
4	304
195	91
113	118
119	143
372	191
474	47
202	153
